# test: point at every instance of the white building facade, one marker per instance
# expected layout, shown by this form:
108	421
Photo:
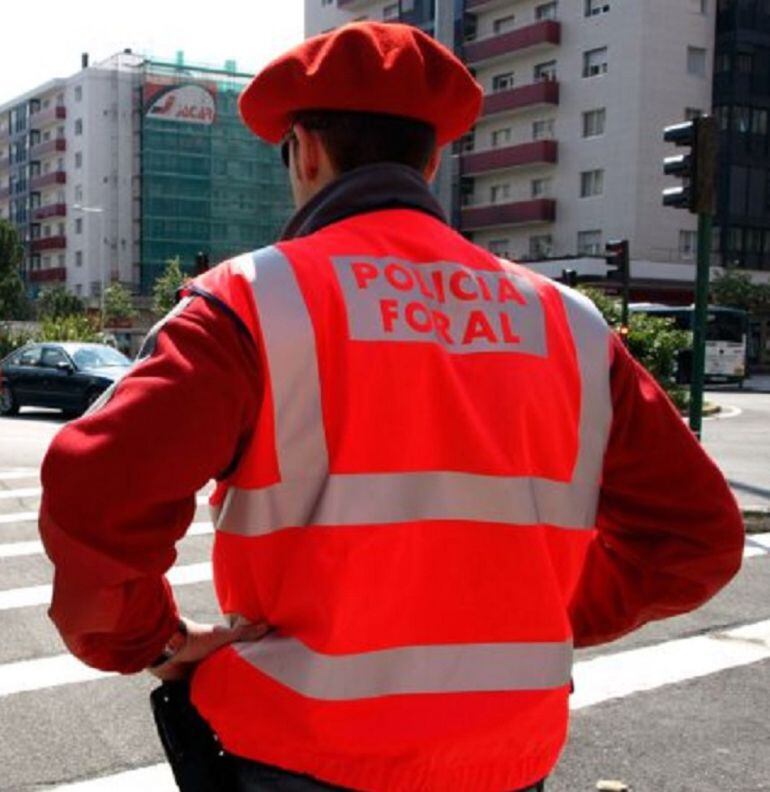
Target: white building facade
568	151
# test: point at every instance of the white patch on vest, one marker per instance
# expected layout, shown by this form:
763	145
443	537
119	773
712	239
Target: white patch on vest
464	310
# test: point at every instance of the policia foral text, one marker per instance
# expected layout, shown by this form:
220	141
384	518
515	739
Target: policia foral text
437	472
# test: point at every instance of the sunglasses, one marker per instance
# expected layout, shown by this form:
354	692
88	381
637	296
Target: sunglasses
288	139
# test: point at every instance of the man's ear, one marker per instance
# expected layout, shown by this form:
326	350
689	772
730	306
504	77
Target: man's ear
432	167
308	154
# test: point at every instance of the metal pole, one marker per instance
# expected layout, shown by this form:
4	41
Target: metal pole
699	323
100	249
444	32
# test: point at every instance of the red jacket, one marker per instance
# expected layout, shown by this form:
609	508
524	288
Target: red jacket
668	533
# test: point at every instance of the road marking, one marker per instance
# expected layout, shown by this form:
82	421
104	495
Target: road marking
157	778
18	517
45	672
12	475
727	411
19	549
27	492
621	674
30	596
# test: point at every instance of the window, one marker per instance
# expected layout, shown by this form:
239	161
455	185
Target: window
78	93
540	246
78	225
546	11
744	63
502	82
591	183
60	259
595	62
499	193
499	247
30	358
759	121
696	61
78	193
78	126
78	258
741	118
691	113
723	63
51	357
593	122
390	12
407	6
545	72
542	129
78	159
594	7
79	289
501	137
540	188
326	3
589	243
688	244
504	24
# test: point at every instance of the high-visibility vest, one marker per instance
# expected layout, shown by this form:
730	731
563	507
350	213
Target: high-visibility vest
411	512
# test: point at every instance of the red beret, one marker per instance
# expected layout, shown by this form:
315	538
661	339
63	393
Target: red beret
367	67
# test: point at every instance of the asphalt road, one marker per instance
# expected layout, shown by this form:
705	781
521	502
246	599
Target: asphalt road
680	706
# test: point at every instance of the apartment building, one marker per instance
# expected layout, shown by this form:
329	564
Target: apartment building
129	162
568	151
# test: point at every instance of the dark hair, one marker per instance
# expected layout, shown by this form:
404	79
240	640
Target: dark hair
355	139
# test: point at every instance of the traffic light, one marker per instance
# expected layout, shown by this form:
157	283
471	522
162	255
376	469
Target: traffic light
616	256
201	262
569	277
697	168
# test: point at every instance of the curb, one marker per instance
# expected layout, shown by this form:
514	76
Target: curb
756	520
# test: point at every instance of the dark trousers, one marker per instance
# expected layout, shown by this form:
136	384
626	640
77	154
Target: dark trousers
257	777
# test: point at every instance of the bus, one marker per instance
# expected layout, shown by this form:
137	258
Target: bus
726	334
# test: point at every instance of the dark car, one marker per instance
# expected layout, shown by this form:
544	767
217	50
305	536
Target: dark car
70	376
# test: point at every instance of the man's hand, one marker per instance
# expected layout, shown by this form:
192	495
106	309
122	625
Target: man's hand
203	640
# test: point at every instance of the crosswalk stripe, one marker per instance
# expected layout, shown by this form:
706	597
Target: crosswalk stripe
15	475
621	674
17	517
25	492
18	549
156	778
31	596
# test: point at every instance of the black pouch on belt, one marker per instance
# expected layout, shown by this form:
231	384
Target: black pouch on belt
196	757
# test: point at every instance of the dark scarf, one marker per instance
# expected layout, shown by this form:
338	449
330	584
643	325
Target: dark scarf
366	189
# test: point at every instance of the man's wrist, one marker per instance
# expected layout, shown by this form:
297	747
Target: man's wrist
172	647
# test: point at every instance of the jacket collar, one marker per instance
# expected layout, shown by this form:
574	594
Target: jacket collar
365	189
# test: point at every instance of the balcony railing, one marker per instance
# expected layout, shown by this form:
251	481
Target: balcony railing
47	179
547	32
48	116
41	150
538	152
51	210
49	243
483	5
351	4
540	210
539	93
51	274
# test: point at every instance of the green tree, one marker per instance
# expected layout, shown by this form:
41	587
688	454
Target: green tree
56	302
13	300
653	341
166	286
735	289
118	304
75	327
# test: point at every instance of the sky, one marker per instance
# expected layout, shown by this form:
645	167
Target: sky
45	39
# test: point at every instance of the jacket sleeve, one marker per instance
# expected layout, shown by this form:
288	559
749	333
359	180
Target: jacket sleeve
669	533
120	484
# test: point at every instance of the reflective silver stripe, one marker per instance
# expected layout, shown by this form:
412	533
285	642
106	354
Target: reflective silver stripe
309	495
460	668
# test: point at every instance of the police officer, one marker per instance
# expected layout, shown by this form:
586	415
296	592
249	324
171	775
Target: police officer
436	471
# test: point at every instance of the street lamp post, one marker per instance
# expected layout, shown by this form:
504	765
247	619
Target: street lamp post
99	212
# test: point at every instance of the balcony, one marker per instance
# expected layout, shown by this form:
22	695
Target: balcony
540	210
350	5
49	243
528	96
546	33
50	210
47	275
50	115
47	180
540	152
485	5
48	147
